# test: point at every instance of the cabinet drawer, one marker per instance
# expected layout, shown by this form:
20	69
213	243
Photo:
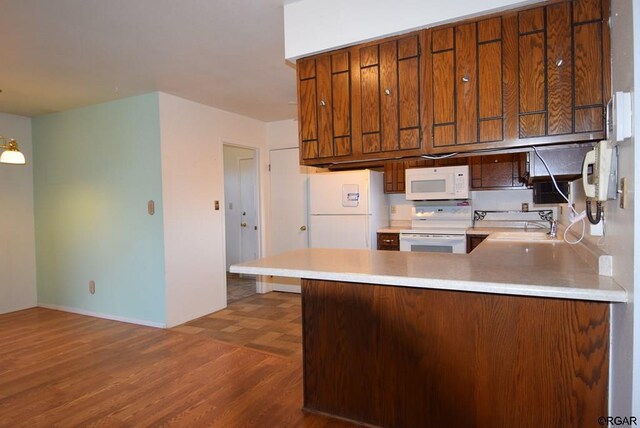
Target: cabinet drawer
389	241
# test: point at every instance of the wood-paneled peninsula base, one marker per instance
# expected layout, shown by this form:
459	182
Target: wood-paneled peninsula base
409	357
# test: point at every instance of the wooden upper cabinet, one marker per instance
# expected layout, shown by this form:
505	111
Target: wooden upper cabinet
563	71
464	103
324	107
500	171
389	102
394	176
525	77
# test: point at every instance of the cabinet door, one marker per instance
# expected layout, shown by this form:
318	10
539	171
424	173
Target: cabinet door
390	96
591	86
394	177
497	171
563	79
467	96
324	107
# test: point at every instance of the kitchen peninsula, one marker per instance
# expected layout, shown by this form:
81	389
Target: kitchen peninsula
512	334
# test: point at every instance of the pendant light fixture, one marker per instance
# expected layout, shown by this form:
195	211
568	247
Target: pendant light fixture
11	153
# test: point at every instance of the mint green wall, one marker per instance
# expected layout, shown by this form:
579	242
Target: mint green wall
95	168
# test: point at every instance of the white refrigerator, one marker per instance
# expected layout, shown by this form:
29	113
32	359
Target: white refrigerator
346	209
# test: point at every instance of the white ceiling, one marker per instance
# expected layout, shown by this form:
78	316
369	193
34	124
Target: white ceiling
61	54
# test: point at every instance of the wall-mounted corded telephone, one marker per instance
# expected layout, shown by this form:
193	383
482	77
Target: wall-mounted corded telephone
597	184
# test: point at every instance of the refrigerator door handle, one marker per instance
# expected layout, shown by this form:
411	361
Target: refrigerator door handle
368	234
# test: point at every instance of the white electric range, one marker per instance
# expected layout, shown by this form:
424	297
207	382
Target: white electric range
437	229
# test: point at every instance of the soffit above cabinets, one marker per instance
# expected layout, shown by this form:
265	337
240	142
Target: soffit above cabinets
315	26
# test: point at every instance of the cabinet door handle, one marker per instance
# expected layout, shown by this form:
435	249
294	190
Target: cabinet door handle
465	79
303	228
323	103
387	91
559	62
388	241
243	224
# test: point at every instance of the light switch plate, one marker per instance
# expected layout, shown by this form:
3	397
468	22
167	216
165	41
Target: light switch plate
623	115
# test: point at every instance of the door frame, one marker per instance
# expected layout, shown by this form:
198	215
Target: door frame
260	286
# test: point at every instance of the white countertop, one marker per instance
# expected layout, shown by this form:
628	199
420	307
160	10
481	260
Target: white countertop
502	267
391	229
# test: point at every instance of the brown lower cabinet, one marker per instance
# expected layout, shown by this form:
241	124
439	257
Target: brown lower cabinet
389	241
411	357
473	241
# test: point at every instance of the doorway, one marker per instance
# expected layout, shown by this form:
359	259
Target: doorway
241	196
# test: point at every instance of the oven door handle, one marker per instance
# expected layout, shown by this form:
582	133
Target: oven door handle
432	238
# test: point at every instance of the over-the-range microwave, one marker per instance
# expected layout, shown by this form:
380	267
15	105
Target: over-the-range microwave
448	182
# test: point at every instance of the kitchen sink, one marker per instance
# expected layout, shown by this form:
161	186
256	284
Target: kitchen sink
524	236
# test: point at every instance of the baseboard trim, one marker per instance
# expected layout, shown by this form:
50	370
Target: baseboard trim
19	308
287	288
101	315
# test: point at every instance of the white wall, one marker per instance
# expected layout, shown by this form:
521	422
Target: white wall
17	238
282	134
233	218
503	199
312	26
619	227
635	321
192	138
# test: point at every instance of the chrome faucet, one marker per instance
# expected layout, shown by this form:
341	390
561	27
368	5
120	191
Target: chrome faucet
553	229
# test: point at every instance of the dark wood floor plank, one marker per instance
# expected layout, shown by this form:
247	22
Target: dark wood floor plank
61	369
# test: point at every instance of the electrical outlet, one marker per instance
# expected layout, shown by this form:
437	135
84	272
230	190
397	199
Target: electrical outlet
597	229
92	287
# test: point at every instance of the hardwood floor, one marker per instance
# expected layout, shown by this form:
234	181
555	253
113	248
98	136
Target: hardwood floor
62	369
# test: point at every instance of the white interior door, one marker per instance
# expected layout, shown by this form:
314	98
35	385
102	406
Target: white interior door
288	209
248	216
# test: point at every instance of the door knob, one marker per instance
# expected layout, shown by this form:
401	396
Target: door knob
243	224
303	228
